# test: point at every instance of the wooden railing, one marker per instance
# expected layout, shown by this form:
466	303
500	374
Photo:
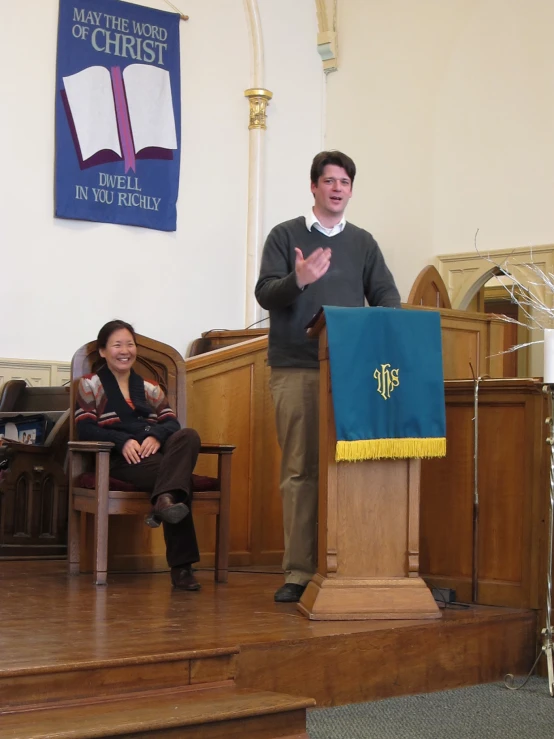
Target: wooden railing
228	399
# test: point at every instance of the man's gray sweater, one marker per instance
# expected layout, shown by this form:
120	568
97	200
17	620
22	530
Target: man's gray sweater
357	271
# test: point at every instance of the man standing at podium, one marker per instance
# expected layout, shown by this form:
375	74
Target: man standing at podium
307	262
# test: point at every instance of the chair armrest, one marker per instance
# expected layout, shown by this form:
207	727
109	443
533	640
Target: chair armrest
217	448
90	446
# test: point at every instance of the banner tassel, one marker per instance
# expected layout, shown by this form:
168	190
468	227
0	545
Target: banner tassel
356	451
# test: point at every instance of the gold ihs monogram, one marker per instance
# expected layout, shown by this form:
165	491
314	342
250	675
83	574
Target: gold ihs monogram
387	380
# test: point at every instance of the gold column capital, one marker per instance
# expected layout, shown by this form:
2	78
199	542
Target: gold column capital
259	99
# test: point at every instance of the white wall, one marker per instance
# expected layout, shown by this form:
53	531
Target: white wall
61	280
295	128
494	145
447	108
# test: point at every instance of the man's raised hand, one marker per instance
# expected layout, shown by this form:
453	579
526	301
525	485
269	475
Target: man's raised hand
311	269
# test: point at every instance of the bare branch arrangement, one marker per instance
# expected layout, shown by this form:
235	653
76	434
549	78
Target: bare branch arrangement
529	296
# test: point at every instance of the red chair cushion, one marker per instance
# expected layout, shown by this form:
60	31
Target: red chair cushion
200	483
88	480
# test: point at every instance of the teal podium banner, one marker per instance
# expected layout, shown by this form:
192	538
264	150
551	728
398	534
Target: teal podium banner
387	383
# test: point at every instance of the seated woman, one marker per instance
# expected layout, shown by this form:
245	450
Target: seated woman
151	450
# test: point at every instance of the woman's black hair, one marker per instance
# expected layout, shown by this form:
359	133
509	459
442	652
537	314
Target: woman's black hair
108	329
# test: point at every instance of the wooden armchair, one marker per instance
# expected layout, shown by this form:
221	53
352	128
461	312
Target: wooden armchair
100	496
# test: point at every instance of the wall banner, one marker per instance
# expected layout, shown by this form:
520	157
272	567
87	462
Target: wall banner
118	114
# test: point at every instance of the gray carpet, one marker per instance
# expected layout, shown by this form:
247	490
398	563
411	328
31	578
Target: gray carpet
479	712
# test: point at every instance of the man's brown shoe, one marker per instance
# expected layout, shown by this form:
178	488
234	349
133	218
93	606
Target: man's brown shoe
183	579
166	509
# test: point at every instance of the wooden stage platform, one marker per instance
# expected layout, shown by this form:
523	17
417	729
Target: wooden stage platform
137	659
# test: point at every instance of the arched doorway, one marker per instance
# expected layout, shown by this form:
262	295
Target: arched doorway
470	276
499	295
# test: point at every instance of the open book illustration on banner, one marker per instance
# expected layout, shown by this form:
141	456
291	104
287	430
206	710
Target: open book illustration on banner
115	115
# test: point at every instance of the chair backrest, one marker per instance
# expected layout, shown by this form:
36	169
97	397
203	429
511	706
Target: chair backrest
429	290
155	361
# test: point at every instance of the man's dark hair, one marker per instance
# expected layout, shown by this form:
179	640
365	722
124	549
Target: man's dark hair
337	158
108	329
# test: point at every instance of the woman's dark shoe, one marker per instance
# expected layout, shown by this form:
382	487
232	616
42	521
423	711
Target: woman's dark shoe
183	579
166	509
290	592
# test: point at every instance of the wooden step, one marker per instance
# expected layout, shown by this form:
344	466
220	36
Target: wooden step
77	681
206	713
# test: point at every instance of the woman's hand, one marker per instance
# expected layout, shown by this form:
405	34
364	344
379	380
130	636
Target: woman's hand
149	446
131	451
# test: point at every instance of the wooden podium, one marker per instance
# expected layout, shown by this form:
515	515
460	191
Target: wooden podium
368	532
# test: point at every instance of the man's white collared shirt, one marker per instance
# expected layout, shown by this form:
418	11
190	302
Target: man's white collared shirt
312	222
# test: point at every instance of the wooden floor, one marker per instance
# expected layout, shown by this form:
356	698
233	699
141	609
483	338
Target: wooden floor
52	624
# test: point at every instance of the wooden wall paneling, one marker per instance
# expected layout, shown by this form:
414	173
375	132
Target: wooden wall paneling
220	406
267	534
540	483
541	507
496	301
496	341
469	340
446	513
513	462
228	399
504	499
540	517
461	351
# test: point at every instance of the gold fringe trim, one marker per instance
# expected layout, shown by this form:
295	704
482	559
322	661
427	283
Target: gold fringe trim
356	451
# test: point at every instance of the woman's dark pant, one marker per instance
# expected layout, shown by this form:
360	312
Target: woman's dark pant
168	471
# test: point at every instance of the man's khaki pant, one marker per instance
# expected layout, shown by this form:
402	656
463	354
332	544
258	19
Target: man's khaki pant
296	397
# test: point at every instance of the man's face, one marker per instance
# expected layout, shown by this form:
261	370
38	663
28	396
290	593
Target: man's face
333	191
